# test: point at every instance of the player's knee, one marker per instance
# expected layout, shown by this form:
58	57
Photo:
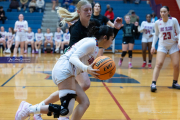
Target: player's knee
176	66
123	53
159	65
130	53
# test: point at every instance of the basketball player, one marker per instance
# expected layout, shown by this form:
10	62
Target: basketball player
147	29
48	39
39	38
29	39
66	38
10	36
128	39
58	38
21	27
78	59
102	19
3	37
165	29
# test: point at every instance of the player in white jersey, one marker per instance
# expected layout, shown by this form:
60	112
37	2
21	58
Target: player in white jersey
165	29
78	59
147	28
10	36
20	28
48	39
3	37
66	38
29	39
58	38
39	38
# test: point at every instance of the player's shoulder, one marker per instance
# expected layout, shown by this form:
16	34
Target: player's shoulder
173	18
90	40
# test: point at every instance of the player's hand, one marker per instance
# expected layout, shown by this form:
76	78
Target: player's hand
118	23
136	23
152	50
92	71
150	36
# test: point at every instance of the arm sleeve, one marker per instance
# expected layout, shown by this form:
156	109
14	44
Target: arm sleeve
105	19
155	38
142	27
176	25
83	50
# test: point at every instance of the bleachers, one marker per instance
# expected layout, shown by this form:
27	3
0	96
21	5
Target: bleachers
34	19
120	10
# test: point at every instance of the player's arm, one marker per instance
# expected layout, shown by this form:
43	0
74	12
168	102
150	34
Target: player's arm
142	27
75	33
26	26
83	50
155	38
177	29
15	27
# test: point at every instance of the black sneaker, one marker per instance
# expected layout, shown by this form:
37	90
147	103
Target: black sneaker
153	87
176	86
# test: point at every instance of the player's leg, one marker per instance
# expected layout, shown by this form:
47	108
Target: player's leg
32	46
26	45
124	50
149	54
17	42
144	48
131	46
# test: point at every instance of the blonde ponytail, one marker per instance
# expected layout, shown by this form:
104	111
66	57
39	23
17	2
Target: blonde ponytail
69	17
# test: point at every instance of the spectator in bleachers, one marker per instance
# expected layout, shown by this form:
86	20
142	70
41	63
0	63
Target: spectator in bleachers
3	37
66	38
40	5
48	39
72	8
10	37
21	26
137	1
32	6
54	5
13	5
134	18
107	7
58	38
125	1
39	38
110	14
66	3
154	18
29	39
2	15
23	4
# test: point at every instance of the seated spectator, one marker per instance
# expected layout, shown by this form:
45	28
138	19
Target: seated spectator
110	15
58	38
13	5
40	5
66	38
2	15
29	39
54	5
134	18
32	6
10	37
154	18
125	1
72	8
66	3
107	7
3	37
39	38
137	1
48	39
23	4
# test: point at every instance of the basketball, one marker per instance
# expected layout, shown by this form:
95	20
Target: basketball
106	66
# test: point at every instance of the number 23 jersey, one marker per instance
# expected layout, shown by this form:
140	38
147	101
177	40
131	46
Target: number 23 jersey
166	31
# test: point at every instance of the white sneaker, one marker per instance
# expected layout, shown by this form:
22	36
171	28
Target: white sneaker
61	51
37	117
8	51
23	111
63	118
57	50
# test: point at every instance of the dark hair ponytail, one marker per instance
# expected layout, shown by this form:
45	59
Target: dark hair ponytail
101	31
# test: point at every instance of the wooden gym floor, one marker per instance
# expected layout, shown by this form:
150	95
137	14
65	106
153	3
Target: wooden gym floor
126	96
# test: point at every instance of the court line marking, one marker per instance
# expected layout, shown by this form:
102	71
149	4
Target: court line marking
117	103
11	78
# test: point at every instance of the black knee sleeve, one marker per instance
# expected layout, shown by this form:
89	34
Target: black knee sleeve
123	53
63	108
130	53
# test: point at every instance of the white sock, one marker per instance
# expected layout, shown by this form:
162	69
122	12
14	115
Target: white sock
144	61
36	108
36	49
129	62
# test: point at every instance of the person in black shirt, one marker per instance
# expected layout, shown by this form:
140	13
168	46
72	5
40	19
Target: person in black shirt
129	30
102	19
2	15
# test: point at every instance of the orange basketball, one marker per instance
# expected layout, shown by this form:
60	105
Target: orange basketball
106	66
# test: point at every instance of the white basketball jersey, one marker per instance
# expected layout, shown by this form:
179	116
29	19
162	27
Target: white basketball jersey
39	36
58	36
148	29
30	36
82	54
20	26
66	36
166	31
3	34
10	35
48	36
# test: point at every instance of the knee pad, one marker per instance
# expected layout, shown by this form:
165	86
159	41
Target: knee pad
66	107
130	53
123	53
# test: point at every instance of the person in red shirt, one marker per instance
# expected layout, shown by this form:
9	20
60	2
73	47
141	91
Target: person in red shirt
109	14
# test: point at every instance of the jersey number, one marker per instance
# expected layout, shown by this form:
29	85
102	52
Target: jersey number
166	35
147	31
